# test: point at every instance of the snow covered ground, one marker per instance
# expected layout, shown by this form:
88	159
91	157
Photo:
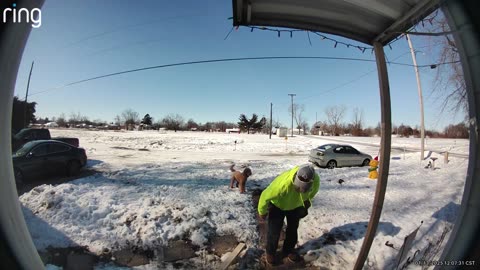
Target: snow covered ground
157	187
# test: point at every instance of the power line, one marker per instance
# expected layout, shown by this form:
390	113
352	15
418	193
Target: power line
127	26
201	62
292	95
230	60
341	85
26	98
353	80
229	32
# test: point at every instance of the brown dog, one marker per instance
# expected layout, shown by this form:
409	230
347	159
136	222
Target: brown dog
240	178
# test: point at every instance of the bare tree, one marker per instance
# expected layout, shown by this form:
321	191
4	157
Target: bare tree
75	118
191	124
85	119
61	121
173	122
117	120
334	116
129	117
456	131
276	123
298	110
449	83
304	125
222	125
357	124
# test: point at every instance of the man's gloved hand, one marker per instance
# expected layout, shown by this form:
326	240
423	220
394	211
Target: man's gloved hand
303	211
307	204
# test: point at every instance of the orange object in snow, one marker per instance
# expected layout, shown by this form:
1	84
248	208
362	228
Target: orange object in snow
372	171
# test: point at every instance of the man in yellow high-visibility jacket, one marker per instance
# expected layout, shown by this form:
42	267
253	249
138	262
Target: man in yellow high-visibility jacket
289	195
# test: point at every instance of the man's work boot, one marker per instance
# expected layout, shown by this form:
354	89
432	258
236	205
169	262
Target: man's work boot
294	257
270	259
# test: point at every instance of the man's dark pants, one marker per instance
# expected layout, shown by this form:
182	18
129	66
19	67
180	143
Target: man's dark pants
275	224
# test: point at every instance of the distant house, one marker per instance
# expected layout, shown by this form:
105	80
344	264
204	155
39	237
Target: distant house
130	127
144	127
162	130
110	127
51	124
232	130
295	131
36	125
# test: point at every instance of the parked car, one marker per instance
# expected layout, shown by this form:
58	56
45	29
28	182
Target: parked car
338	155
46	157
31	134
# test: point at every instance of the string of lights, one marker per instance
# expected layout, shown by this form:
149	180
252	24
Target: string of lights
290	32
334	41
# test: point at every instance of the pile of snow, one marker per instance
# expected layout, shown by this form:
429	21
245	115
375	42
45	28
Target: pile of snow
143	207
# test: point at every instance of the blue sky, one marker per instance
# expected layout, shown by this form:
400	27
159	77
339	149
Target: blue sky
83	39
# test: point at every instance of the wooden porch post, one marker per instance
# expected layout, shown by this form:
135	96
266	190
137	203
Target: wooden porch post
384	158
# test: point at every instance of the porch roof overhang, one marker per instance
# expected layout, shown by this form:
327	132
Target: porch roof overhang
366	21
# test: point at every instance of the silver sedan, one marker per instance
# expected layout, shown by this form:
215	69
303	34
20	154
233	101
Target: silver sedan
338	155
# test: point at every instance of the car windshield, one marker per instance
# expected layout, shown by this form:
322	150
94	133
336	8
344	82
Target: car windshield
20	134
325	147
25	149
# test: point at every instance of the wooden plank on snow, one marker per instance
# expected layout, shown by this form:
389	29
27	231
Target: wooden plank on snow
232	256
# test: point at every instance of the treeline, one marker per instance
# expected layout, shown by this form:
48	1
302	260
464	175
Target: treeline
130	119
24	114
458	131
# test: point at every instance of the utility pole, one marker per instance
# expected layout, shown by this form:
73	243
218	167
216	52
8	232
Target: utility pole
271	106
26	97
292	95
420	96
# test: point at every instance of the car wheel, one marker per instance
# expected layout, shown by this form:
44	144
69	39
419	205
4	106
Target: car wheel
366	162
73	168
18	176
332	164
